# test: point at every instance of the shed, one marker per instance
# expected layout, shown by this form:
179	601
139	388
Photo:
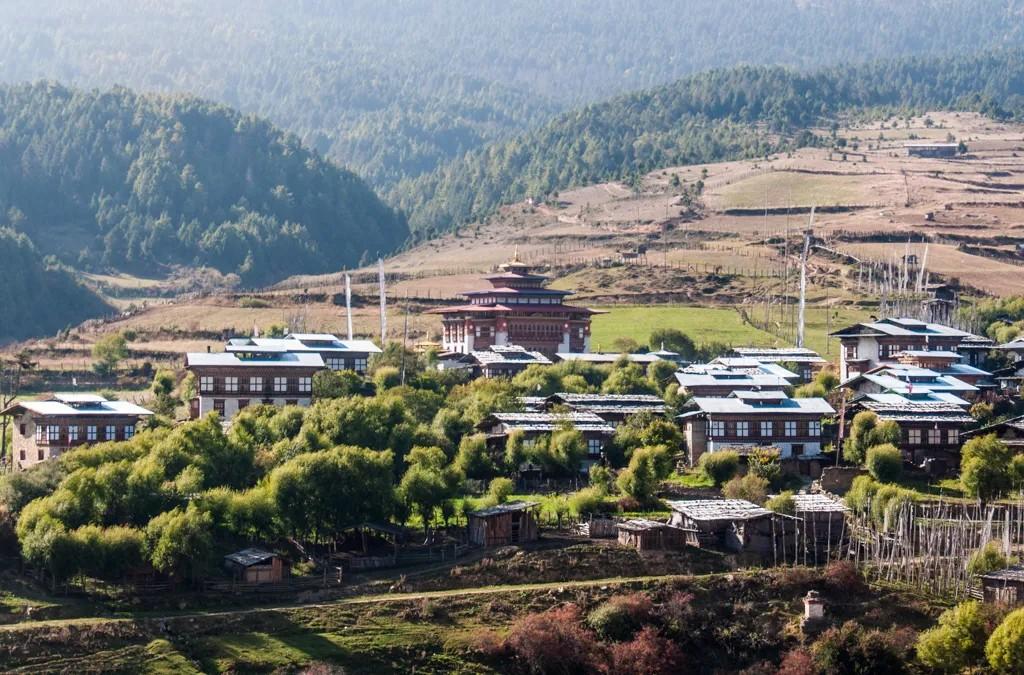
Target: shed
1004	586
504	524
717	521
822	524
255	566
651	535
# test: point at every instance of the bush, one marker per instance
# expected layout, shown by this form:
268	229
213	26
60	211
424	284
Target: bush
958	641
988	558
500	489
621	617
587	501
764	462
600	477
985	467
842	577
885	463
553	642
797	661
387	377
782	503
886	504
720	466
750	487
860	494
853	650
1005	649
647	653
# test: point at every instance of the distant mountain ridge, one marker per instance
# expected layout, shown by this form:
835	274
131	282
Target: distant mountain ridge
125	181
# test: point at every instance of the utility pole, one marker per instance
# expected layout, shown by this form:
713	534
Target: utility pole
803	282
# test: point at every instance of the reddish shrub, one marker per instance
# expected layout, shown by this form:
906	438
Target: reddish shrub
647	653
677	612
488	643
797	662
621	616
843	576
554	642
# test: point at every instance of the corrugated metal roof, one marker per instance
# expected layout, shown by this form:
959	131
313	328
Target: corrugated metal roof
305	342
508	354
734	405
779	355
102	408
816	501
607	357
507	507
901	327
1012	573
250	556
286	359
916	411
719	509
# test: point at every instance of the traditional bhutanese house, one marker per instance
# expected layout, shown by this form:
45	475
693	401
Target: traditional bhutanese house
48	428
1014	347
517	309
949	364
504	524
255	566
744	364
745	420
822	523
1010	379
504	361
337	354
1010	432
870	344
807	361
614	408
596	432
930	429
910	380
932	150
230	381
706	380
732	524
651	535
975	349
601	358
1004	587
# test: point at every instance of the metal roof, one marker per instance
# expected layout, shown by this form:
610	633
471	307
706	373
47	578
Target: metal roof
734	404
908	410
816	501
719	509
303	342
1013	344
728	378
780	354
900	327
608	357
1012	573
281	360
508	354
250	556
88	407
546	421
507	507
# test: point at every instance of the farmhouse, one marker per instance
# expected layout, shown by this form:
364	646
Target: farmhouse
254	566
614	408
535	425
870	344
913	382
1010	432
947	364
504	524
930	429
1014	348
931	150
707	380
807	361
1010	379
48	428
337	354
503	360
651	535
612	357
230	381
975	349
745	420
517	309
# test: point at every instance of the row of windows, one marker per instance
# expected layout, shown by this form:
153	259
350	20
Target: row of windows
767	429
52	433
232	385
218	404
514	300
338	363
914	436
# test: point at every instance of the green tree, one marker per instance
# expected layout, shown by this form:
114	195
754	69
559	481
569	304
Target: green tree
1005	648
164	401
751	487
885	463
958	641
984	467
179	542
719	466
108	352
336	384
473	458
499	490
782	503
856	445
428	482
674	340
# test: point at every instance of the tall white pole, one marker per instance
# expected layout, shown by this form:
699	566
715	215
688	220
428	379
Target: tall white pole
383	303
803	283
348	303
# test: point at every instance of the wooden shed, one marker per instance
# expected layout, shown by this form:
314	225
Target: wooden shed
822	525
504	524
735	525
1004	586
651	535
255	566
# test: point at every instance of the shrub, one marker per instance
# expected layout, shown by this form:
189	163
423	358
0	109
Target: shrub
677	612
750	487
647	653
842	576
857	443
885	462
985	467
720	466
958	641
852	650
861	492
764	462
387	377
1005	649
588	500
250	302
601	478
988	558
797	662
621	616
500	489
553	642
886	504
782	503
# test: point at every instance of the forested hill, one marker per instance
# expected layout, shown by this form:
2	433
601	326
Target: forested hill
393	89
722	114
125	181
38	298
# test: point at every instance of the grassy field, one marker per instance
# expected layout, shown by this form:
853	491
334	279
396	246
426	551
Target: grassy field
703	324
786	188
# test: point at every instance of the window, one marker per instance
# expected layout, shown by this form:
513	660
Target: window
90	433
305	384
206	383
934	436
814	428
335	363
359	365
22	429
39	432
256	384
953	436
129	431
243	403
21	454
717	428
914	436
742	429
851	351
280	384
110	432
40	455
231	384
218	406
291	401
53	433
767	429
594	446
790	428
73	433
